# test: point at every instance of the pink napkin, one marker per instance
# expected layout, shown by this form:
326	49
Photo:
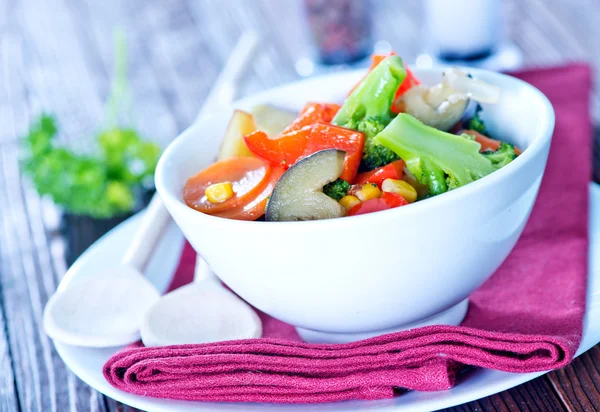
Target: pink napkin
527	317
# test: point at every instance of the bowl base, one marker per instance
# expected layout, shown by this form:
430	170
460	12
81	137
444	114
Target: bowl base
452	316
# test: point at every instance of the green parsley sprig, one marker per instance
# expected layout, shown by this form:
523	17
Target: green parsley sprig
103	185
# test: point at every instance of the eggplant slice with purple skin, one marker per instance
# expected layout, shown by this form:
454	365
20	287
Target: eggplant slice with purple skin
299	193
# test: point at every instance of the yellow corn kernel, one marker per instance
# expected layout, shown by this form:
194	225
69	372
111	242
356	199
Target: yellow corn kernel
368	191
219	192
400	187
349	201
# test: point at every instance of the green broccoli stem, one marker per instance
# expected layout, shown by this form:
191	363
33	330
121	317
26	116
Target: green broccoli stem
374	96
434	177
430	153
367	109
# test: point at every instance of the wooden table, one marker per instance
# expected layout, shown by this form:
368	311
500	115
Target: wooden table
56	56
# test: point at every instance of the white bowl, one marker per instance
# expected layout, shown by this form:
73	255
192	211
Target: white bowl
349	278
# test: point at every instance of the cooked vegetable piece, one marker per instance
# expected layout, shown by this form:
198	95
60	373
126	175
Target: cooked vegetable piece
349	201
272	119
256	207
246	175
241	124
393	199
386	201
422	190
282	151
394	170
219	192
373	97
400	187
375	155
438	106
430	154
435	177
313	113
285	150
336	189
367	109
476	89
325	136
505	154
375	60
299	193
487	143
368	191
443	105
476	123
410	80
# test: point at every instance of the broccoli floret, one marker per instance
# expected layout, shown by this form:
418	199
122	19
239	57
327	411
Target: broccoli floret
336	189
501	157
441	160
367	109
374	155
371	126
476	123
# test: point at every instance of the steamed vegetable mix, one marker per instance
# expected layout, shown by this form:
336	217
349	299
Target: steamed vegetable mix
388	145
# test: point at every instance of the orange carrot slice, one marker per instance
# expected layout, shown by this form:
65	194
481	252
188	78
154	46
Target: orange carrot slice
247	175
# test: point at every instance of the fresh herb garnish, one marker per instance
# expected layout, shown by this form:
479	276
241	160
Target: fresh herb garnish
103	185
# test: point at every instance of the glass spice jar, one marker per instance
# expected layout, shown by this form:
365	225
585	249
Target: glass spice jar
341	30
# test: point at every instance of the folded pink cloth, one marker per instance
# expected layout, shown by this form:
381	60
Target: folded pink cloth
527	317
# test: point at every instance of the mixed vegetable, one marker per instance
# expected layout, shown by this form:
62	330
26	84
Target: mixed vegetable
392	142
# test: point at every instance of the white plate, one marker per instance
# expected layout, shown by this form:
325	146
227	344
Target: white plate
87	363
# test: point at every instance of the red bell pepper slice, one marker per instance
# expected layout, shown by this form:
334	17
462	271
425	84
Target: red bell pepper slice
286	148
327	136
386	201
313	113
394	170
409	81
282	151
393	199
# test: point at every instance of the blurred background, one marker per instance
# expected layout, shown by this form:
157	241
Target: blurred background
58	57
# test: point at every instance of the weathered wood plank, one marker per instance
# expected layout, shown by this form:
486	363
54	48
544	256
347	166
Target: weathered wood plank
174	47
9	401
579	384
17	277
536	395
30	260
